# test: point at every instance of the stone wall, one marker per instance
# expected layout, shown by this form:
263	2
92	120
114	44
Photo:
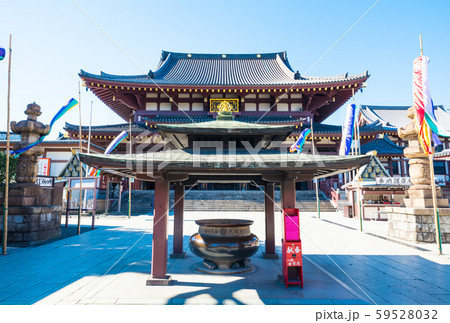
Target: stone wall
417	225
31	225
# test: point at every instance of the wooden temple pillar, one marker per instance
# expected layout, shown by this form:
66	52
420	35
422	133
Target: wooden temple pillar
159	244
269	207
178	218
288	191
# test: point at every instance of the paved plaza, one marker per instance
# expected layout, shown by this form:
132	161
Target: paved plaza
110	265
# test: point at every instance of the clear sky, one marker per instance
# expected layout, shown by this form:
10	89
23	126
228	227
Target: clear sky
53	40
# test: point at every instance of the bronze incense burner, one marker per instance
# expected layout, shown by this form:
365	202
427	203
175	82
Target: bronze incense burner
225	245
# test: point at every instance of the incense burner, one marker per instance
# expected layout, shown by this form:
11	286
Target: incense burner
225	245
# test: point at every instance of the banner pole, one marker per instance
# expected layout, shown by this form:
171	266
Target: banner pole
6	202
90	126
314	153
79	160
129	180
433	182
435	208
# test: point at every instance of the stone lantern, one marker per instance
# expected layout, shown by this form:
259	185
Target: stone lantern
414	221
32	217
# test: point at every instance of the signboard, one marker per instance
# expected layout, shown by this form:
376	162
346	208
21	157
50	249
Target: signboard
230	105
45	181
293	254
397	181
44	166
87	183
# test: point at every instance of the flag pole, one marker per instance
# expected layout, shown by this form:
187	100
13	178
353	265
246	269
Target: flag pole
356	152
129	180
90	125
433	182
79	160
8	109
314	153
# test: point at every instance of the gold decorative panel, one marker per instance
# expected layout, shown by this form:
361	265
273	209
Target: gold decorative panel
231	105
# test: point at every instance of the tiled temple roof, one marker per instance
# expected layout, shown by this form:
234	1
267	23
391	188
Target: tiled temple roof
205	118
223	70
113	128
444	154
322	128
65	141
395	116
383	146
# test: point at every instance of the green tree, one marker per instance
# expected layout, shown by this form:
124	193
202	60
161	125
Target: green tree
12	169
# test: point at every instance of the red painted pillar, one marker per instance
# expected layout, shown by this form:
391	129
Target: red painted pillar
159	246
269	204
288	192
178	214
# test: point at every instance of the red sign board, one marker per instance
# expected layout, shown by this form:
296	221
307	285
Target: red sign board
44	166
294	254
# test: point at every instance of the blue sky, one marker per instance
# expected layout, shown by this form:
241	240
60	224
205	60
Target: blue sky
53	40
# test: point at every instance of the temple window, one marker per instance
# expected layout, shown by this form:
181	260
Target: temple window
439	167
165	106
282	107
296	106
196	106
250	106
264	106
152	106
183	106
395	167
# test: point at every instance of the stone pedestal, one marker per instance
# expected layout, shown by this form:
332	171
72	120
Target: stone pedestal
417	224
31	219
31	225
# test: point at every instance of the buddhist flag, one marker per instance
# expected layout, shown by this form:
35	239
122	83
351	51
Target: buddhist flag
347	134
426	122
298	145
96	172
2	53
69	105
115	142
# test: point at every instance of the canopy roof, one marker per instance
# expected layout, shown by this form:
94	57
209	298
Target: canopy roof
224	128
228	165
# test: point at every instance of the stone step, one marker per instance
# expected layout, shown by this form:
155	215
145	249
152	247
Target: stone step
198	200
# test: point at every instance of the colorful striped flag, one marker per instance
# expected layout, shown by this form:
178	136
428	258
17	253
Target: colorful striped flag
2	53
347	133
69	105
298	145
115	142
96	172
426	122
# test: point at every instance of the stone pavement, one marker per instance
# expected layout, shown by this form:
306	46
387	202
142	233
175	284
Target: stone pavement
110	265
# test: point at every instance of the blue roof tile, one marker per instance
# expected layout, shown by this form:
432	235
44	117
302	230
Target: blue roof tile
223	70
